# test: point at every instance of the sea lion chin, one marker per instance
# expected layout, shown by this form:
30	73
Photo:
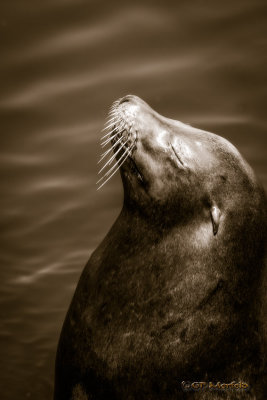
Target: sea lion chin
171	293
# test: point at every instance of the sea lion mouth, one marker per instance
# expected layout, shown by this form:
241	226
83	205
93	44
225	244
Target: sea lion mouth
136	171
122	137
124	146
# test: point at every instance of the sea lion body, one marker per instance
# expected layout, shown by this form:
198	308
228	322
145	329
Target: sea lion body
171	293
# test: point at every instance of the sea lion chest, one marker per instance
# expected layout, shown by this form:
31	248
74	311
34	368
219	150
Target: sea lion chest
135	297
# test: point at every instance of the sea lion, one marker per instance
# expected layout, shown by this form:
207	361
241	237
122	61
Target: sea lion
171	293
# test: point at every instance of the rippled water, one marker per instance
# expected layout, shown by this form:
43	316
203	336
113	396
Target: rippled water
62	64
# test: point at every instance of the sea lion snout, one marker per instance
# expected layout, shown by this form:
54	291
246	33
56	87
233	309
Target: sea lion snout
129	98
137	117
156	135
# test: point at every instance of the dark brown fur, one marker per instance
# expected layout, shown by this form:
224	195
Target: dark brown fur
165	298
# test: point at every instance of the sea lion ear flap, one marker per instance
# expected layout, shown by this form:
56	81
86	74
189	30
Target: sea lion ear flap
215	215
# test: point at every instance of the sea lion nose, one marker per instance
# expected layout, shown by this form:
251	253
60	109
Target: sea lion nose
128	98
124	100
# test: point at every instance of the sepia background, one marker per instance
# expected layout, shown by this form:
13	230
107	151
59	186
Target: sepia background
63	62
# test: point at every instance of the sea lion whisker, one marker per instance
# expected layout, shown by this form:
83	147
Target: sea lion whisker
113	113
104	154
108	139
109	133
111	175
113	110
115	104
118	133
114	144
110	117
114	155
109	126
123	144
109	150
127	152
114	166
123	161
110	120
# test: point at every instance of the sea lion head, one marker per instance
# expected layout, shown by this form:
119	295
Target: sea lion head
172	171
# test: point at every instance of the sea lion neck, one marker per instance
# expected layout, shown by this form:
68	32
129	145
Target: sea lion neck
131	220
151	222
